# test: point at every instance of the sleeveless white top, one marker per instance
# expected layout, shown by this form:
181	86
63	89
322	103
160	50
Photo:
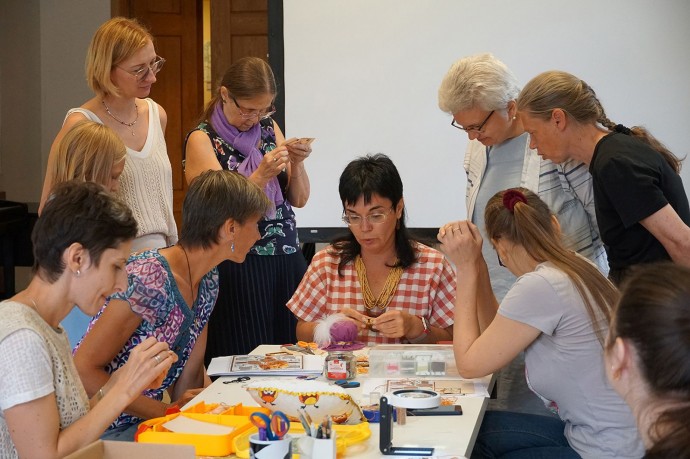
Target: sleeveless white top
146	182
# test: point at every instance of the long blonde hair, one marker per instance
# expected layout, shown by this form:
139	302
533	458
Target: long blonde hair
530	225
87	153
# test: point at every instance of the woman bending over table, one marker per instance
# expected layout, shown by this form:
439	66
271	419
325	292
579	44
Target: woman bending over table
558	312
397	290
81	244
171	294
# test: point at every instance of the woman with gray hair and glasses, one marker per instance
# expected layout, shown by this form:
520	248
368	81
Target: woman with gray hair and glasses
480	93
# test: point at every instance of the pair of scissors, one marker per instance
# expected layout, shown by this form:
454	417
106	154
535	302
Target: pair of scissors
270	428
240	379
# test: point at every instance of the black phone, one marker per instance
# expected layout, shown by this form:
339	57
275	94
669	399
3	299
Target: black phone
442	410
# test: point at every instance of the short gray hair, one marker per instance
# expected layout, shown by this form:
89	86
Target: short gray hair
477	81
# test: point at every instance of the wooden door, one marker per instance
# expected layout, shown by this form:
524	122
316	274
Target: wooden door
239	28
177	29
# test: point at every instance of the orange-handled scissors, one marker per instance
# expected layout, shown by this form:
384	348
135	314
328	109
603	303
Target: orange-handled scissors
273	428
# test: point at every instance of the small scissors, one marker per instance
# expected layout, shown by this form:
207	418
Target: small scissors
273	428
240	379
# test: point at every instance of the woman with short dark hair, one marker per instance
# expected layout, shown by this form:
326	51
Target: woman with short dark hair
171	294
395	289
81	244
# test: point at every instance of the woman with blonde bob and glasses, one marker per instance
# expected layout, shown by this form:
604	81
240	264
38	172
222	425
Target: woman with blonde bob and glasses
121	67
558	313
236	132
647	356
395	289
641	205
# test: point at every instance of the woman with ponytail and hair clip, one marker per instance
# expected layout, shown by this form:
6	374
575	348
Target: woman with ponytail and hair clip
647	356
641	206
558	313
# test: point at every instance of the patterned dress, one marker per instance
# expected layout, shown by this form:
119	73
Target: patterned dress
251	303
152	293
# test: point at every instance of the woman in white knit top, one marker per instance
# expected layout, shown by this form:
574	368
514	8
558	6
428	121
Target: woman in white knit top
121	66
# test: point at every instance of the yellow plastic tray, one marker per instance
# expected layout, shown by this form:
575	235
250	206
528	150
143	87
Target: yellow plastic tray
346	435
237	416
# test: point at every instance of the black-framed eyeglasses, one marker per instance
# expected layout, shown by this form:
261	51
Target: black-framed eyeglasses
143	72
373	219
500	262
249	114
472	128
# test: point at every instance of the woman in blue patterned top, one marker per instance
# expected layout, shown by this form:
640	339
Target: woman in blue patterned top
237	133
171	293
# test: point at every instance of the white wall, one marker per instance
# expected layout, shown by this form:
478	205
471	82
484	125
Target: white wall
362	77
42	49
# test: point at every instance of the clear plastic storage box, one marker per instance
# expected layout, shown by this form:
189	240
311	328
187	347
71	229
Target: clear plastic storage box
412	360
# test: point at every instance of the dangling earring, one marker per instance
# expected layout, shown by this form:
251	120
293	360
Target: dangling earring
78	273
232	247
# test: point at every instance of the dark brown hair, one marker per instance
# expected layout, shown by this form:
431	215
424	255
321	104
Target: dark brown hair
246	78
654	315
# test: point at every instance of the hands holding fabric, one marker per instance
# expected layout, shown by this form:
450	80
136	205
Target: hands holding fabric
391	324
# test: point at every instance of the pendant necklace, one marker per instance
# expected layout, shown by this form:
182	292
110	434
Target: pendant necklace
189	276
129	125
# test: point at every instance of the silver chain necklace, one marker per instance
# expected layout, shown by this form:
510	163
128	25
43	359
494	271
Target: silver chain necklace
129	125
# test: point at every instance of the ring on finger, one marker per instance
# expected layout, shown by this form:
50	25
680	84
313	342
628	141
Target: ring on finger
275	159
157	358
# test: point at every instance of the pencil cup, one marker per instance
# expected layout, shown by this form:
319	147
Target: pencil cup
270	449
316	448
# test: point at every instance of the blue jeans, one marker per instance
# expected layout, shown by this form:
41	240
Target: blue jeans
522	436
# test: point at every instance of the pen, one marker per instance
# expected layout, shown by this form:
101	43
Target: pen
305	424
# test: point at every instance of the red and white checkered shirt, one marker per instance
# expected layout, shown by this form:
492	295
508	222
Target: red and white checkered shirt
426	288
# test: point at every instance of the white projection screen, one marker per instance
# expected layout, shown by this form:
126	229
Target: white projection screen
362	77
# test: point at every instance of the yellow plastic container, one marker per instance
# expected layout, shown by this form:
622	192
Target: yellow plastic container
236	416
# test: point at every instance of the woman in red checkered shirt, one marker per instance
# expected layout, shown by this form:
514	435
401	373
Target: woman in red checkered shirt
396	289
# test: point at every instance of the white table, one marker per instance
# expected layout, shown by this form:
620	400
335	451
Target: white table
449	435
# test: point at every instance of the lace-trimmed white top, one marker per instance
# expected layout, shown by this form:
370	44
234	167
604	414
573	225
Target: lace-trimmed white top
146	182
35	360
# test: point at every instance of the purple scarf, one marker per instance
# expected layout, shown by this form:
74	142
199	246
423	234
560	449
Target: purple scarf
247	143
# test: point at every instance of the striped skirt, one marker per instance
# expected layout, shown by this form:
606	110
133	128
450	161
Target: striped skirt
251	304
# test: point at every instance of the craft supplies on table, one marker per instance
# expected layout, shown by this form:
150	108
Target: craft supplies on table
392	360
210	428
266	365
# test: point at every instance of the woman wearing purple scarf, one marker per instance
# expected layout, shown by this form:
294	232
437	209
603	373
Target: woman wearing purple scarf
237	133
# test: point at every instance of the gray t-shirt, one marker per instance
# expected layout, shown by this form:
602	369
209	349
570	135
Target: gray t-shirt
504	164
565	365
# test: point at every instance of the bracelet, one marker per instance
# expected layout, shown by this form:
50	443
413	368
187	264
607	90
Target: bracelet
424	334
100	394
